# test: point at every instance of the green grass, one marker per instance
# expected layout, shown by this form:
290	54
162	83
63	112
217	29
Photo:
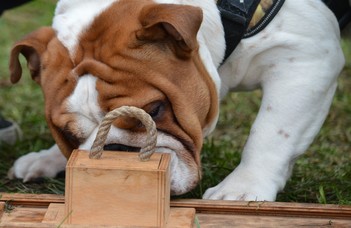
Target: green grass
321	175
23	102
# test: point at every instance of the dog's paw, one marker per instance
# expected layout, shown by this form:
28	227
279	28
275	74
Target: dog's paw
244	187
46	163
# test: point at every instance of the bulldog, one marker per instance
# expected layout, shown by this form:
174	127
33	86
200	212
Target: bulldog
167	57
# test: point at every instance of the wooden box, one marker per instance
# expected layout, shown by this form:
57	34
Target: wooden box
118	189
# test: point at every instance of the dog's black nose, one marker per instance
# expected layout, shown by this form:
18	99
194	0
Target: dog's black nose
121	147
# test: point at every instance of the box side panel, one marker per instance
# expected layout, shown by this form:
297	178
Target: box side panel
118	160
68	184
109	197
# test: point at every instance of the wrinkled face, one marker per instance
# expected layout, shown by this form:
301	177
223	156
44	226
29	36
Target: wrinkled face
134	53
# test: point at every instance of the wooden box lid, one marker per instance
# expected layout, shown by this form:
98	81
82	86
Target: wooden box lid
118	160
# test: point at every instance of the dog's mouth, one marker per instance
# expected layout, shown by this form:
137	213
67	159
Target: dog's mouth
121	147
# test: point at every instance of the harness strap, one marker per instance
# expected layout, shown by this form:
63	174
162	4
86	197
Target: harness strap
266	19
341	9
236	16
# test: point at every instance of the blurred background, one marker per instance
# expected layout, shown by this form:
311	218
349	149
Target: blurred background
322	175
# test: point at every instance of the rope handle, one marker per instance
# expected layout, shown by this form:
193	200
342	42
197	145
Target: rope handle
127	111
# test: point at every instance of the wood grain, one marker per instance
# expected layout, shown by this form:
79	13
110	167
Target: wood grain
226	220
117	189
209	213
210	206
266	208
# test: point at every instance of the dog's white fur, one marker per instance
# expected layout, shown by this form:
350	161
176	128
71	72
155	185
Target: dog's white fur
295	60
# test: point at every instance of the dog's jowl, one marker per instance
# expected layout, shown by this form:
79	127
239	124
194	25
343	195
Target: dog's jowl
176	60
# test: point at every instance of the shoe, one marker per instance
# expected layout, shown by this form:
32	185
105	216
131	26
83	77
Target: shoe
10	132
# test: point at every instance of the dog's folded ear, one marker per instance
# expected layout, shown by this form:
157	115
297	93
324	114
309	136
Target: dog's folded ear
178	24
31	47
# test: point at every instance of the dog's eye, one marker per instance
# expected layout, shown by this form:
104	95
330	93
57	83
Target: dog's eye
70	137
156	110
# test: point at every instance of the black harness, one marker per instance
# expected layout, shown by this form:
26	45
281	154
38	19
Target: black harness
237	14
341	9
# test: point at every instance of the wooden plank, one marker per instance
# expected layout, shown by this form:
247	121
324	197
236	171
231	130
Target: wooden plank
202	206
23	215
54	216
47	225
26	225
34	200
266	208
178	217
225	220
210	206
55	213
181	218
225	213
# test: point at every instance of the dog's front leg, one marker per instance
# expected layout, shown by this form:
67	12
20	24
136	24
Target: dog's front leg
295	104
45	163
279	135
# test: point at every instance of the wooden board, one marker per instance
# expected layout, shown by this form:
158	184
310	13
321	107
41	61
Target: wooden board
31	207
54	216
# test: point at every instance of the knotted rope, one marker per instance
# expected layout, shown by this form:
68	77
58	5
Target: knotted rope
126	111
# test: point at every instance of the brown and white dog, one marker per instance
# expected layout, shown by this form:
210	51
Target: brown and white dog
165	56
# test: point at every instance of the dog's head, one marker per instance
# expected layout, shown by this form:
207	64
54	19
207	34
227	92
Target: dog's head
135	53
